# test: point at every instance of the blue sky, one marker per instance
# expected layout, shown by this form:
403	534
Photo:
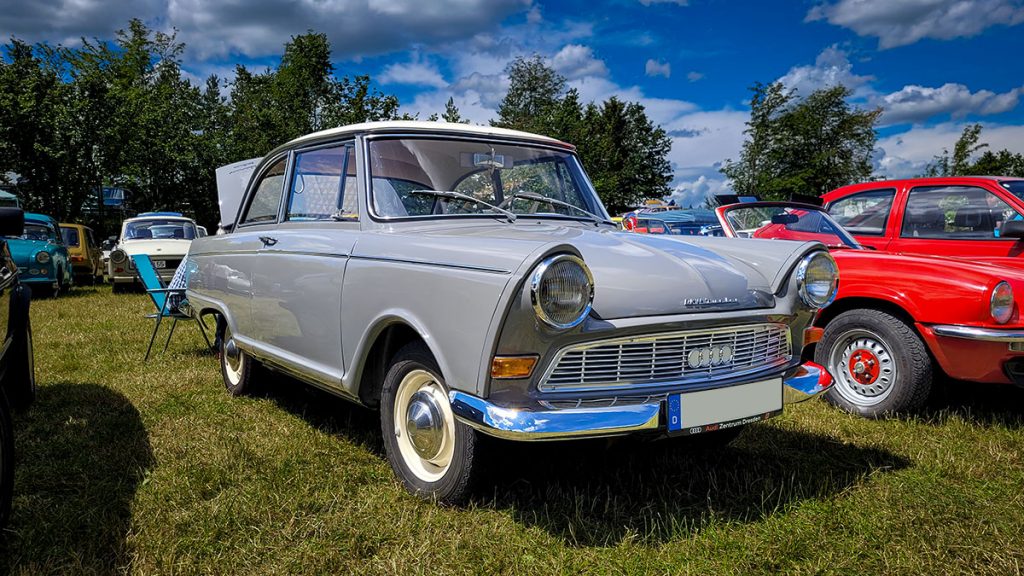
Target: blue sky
932	65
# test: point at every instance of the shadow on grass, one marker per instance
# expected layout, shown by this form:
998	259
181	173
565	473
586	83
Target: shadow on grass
82	451
594	493
979	404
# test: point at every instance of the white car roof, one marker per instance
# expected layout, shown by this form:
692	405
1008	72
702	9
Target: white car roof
420	126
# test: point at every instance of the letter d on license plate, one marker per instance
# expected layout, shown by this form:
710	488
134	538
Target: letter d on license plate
710	410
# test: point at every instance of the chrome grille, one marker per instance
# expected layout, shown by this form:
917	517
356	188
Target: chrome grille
659	358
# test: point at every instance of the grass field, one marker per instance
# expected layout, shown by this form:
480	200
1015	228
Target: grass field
125	466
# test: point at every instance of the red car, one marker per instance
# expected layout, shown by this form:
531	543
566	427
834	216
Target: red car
951	216
898	318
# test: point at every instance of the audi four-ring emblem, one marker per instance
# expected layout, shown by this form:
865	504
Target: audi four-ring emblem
709	356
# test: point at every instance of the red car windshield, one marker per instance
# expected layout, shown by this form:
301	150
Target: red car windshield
787	222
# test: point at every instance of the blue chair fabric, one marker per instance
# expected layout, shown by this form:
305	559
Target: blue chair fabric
165	299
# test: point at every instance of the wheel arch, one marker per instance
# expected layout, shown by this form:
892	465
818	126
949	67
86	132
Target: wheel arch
842	305
382	341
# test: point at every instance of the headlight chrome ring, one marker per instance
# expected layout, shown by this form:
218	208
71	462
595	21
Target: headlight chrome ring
817	279
42	257
562	291
1001	302
118	256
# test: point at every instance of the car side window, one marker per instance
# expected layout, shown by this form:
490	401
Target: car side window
955	213
324	185
266	200
864	213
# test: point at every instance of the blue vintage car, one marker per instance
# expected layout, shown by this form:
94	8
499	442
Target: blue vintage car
41	256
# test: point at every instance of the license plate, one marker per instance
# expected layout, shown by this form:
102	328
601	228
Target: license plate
720	408
159	264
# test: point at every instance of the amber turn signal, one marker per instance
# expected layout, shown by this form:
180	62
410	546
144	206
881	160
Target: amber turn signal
512	366
812	335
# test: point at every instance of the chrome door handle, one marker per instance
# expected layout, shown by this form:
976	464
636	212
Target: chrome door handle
268	241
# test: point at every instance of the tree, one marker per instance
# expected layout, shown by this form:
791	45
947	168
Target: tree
806	146
967	146
624	153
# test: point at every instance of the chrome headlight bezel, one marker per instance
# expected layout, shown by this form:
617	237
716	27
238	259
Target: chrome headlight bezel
802	269
537	279
43	257
1002	298
118	256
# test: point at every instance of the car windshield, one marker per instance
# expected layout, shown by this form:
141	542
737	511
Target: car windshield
1016	187
159	228
409	174
34	231
788	223
70	236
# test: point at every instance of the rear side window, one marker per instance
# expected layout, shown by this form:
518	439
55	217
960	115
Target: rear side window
70	236
266	200
955	213
864	213
323	187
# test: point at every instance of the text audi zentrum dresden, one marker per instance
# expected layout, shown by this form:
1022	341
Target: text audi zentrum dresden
467	280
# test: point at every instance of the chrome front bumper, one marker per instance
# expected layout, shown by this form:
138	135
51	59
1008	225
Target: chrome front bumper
804	382
984	334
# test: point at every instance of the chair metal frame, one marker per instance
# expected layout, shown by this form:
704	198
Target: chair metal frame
162	307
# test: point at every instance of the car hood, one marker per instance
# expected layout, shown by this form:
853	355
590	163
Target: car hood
163	247
634	274
23	250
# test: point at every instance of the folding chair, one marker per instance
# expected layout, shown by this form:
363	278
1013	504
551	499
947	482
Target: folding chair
162	297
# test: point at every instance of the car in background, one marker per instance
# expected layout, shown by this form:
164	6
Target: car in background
467	280
86	256
976	217
17	364
899	319
40	255
678	222
164	236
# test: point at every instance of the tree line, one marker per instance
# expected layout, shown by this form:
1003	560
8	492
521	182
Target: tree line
125	115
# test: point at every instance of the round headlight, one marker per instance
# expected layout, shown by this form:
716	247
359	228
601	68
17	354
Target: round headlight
42	257
1001	302
817	279
562	291
118	256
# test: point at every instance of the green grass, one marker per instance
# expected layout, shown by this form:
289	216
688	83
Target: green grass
125	466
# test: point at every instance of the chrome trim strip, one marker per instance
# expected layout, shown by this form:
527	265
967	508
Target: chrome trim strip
645	384
516	424
983	334
434	263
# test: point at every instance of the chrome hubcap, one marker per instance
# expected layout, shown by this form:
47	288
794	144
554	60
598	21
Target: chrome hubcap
424	425
232	360
864	367
423	421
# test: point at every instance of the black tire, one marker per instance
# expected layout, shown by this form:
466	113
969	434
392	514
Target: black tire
451	482
20	377
879	363
237	368
6	461
120	287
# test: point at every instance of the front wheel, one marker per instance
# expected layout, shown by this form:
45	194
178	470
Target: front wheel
6	461
433	454
880	364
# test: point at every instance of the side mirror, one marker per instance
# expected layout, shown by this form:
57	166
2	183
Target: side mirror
12	221
1012	229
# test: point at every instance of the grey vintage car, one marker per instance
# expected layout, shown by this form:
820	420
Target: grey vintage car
467	280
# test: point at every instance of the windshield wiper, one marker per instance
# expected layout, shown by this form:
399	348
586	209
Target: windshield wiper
553	202
460	196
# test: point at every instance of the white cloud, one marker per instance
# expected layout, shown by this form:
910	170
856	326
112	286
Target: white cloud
694	76
704	139
67	21
919	103
693	192
832	67
907	154
655	68
416	72
576	61
902	22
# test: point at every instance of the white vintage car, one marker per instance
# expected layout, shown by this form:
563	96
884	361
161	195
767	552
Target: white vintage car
164	236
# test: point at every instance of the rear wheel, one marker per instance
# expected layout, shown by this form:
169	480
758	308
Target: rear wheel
6	460
21	369
433	454
879	363
236	367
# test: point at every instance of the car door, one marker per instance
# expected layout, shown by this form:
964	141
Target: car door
866	215
296	306
955	220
